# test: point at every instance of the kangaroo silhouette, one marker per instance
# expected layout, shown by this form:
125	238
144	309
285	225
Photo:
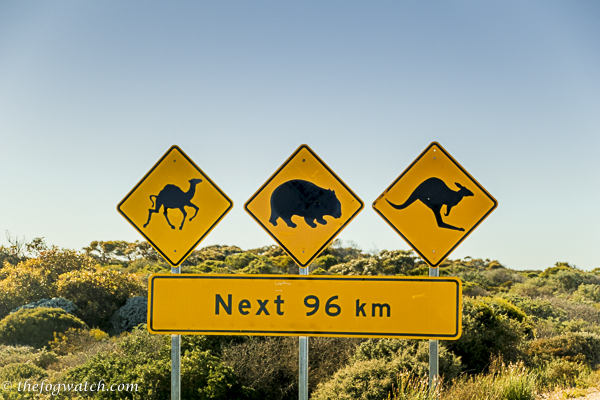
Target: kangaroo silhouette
434	193
172	196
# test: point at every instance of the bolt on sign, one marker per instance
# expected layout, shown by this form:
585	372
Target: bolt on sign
304	205
434	204
174	206
296	305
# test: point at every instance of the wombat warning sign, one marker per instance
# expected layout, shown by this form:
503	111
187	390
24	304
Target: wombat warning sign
304	205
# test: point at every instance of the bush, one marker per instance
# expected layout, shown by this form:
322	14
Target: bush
26	354
325	262
539	308
98	293
36	327
57	302
269	365
512	382
409	356
561	373
144	359
378	364
20	372
574	347
491	327
133	313
34	279
363	380
75	340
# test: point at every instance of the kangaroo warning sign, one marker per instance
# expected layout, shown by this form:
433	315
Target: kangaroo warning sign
294	305
434	204
304	205
175	206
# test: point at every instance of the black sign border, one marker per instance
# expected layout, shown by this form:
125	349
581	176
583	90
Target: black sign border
466	234
290	158
458	320
186	255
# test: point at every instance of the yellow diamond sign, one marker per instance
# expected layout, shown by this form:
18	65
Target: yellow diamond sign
434	204
175	206
304	205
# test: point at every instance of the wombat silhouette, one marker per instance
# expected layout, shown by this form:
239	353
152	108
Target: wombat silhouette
304	199
172	196
434	193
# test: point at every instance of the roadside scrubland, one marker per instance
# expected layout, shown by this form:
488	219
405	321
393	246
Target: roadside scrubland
71	316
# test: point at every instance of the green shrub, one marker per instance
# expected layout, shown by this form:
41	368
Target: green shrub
26	354
560	373
144	359
36	327
539	308
491	327
502	382
34	279
412	387
587	292
20	372
574	347
363	380
409	356
240	260
98	293
259	266
76	340
325	262
378	364
23	285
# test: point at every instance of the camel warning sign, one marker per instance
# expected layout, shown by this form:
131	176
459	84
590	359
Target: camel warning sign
174	206
434	204
304	205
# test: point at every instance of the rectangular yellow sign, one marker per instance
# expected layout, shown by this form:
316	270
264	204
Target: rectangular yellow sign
294	305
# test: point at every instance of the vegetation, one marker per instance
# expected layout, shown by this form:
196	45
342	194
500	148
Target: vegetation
69	316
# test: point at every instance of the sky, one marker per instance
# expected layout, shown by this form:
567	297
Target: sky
93	93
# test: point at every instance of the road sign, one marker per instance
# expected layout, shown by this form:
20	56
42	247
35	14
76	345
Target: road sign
304	205
434	204
175	206
295	305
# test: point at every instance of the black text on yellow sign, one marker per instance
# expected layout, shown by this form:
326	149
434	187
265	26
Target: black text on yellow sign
304	205
434	204
175	205
393	307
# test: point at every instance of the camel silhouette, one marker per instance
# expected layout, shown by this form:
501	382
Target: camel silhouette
435	194
172	196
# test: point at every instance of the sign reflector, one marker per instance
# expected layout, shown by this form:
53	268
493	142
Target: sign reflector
294	305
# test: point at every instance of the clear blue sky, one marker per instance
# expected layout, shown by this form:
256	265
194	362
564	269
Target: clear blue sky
93	93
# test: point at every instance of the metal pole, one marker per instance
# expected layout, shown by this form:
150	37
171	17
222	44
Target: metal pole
434	375
303	360
175	359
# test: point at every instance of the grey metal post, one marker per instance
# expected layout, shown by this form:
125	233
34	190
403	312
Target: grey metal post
434	375
303	360
175	359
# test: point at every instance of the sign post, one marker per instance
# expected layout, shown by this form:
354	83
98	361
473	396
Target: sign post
303	206
303	360
176	184
417	206
434	371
